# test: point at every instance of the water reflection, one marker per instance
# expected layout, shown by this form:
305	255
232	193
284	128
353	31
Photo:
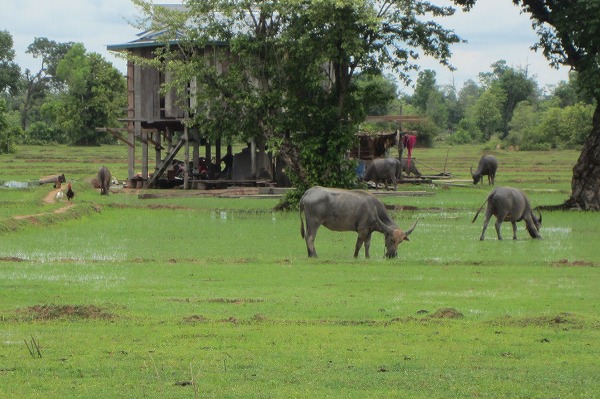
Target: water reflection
238	214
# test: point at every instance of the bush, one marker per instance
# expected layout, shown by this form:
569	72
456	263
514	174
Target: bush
42	133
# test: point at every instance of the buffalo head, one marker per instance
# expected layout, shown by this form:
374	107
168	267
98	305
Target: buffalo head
393	238
476	176
537	223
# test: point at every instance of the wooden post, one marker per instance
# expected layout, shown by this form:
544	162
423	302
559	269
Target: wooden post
400	144
131	114
218	151
157	153
252	159
208	154
144	138
186	150
196	155
169	136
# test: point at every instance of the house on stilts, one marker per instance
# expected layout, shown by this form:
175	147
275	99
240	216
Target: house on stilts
157	124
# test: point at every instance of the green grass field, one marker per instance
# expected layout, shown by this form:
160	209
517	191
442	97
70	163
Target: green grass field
122	297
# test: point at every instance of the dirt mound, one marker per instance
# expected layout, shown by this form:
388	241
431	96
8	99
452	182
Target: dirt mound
53	312
447	313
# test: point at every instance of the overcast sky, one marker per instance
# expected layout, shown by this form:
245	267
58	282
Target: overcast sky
494	30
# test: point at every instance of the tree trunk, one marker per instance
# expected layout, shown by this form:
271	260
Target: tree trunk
585	185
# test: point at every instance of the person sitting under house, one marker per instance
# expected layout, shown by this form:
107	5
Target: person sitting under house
178	167
203	168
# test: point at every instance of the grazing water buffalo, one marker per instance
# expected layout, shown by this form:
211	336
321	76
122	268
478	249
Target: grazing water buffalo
510	205
488	164
104	178
349	210
384	170
412	169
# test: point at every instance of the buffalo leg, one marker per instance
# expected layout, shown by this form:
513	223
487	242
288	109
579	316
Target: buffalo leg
514	226
485	225
367	240
359	242
498	227
309	237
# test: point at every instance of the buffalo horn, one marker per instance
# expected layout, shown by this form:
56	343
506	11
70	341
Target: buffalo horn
384	227
412	228
540	213
472	171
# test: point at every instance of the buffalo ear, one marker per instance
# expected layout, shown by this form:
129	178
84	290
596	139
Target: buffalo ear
406	238
399	235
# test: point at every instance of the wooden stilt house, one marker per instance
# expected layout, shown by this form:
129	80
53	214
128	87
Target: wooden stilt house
157	121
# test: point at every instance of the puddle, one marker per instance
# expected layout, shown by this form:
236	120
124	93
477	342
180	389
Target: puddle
226	215
16	184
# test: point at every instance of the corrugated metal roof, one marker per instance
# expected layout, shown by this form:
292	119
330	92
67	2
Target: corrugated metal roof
153	38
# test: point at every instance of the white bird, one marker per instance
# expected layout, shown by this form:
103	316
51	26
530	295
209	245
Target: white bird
59	196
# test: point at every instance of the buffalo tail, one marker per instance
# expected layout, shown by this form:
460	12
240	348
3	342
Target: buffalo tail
301	224
479	210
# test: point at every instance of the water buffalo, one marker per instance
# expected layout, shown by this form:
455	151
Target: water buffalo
349	210
412	169
510	205
104	178
384	170
488	164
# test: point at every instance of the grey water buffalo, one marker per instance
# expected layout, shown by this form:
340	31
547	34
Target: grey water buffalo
349	210
510	205
104	178
384	170
488	164
412	169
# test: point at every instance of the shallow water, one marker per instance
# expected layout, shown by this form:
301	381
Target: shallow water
16	184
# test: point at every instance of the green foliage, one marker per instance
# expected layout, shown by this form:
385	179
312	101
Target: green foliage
8	133
482	119
430	101
467	132
95	97
426	84
377	92
570	92
552	127
523	124
517	87
567	43
9	70
37	86
41	132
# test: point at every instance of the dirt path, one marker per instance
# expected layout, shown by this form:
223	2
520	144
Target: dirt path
49	199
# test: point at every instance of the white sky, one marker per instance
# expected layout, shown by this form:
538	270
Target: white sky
494	30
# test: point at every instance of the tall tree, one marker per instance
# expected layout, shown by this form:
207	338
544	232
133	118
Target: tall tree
516	85
9	70
568	32
426	84
38	84
95	97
